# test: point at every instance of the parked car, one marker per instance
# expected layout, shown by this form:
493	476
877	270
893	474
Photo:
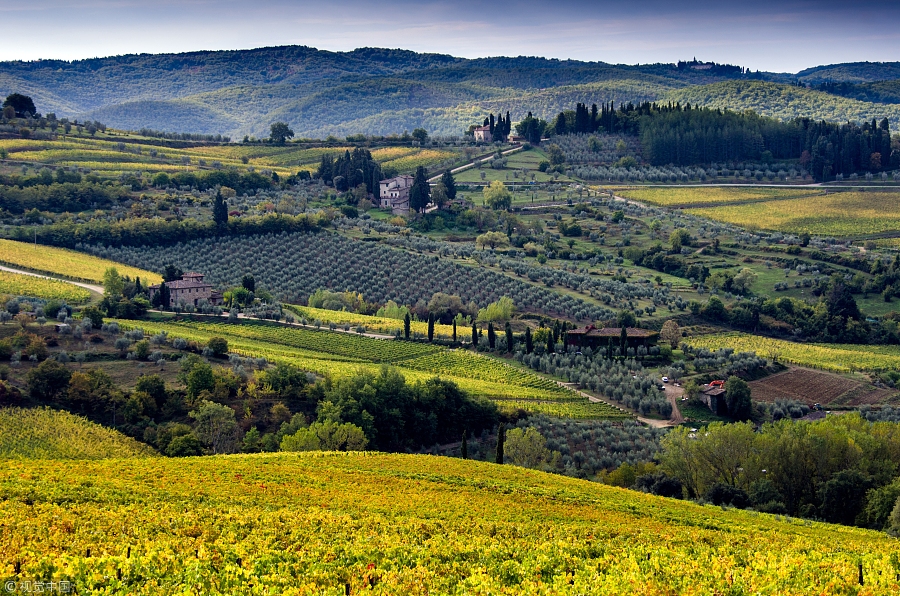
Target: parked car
665	379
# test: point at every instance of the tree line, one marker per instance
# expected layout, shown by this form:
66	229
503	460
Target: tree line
689	135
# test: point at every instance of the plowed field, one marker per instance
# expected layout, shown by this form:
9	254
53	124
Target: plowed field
813	386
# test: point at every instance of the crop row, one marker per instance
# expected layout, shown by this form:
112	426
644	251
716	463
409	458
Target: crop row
468	364
578	410
686	196
66	263
351	523
371	323
17	284
281	344
836	214
831	357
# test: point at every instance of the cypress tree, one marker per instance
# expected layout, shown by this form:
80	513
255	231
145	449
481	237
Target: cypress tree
464	449
430	327
509	338
220	210
501	438
492	337
550	344
474	335
406	325
450	184
623	339
454	330
165	296
529	344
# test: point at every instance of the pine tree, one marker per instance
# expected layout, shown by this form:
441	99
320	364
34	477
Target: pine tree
492	336
510	340
474	335
430	327
464	448
406	326
501	438
529	344
220	210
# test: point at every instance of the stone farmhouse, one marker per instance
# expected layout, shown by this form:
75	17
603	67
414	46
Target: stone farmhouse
593	337
483	134
394	194
190	289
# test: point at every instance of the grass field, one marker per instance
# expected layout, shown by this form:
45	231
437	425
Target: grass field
17	284
672	197
66	263
831	357
335	524
339	355
50	434
837	214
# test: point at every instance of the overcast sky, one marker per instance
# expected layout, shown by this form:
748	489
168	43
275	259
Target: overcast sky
784	36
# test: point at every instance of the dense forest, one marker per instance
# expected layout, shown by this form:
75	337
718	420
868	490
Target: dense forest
684	135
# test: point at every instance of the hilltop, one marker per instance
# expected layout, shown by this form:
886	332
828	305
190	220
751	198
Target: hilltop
344	523
369	90
50	434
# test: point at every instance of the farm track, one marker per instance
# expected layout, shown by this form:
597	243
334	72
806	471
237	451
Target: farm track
92	287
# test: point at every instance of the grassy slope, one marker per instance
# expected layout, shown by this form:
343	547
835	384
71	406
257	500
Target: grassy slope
326	523
49	434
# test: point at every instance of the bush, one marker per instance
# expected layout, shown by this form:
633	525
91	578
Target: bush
725	494
219	346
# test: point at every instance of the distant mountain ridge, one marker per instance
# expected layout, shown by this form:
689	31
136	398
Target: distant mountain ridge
383	91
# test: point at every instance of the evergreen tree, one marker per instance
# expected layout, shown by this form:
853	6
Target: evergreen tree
420	193
492	337
474	335
501	438
454	330
464	448
430	327
220	210
529	344
509	338
449	184
406	326
623	340
550	344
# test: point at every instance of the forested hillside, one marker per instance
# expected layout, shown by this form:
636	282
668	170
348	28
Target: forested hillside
378	91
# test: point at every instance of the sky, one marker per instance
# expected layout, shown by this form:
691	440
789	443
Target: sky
768	35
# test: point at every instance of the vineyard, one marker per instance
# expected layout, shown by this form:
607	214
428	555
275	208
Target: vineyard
684	197
50	434
834	215
340	355
17	284
840	358
337	524
374	324
293	266
108	157
66	263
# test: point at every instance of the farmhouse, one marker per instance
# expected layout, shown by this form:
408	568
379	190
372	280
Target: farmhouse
713	395
190	289
592	337
483	134
394	194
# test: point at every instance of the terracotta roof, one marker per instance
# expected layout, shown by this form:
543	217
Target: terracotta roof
591	331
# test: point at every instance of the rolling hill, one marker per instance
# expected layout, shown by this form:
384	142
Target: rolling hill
344	523
379	91
31	434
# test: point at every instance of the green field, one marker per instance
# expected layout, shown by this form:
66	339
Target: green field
340	355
